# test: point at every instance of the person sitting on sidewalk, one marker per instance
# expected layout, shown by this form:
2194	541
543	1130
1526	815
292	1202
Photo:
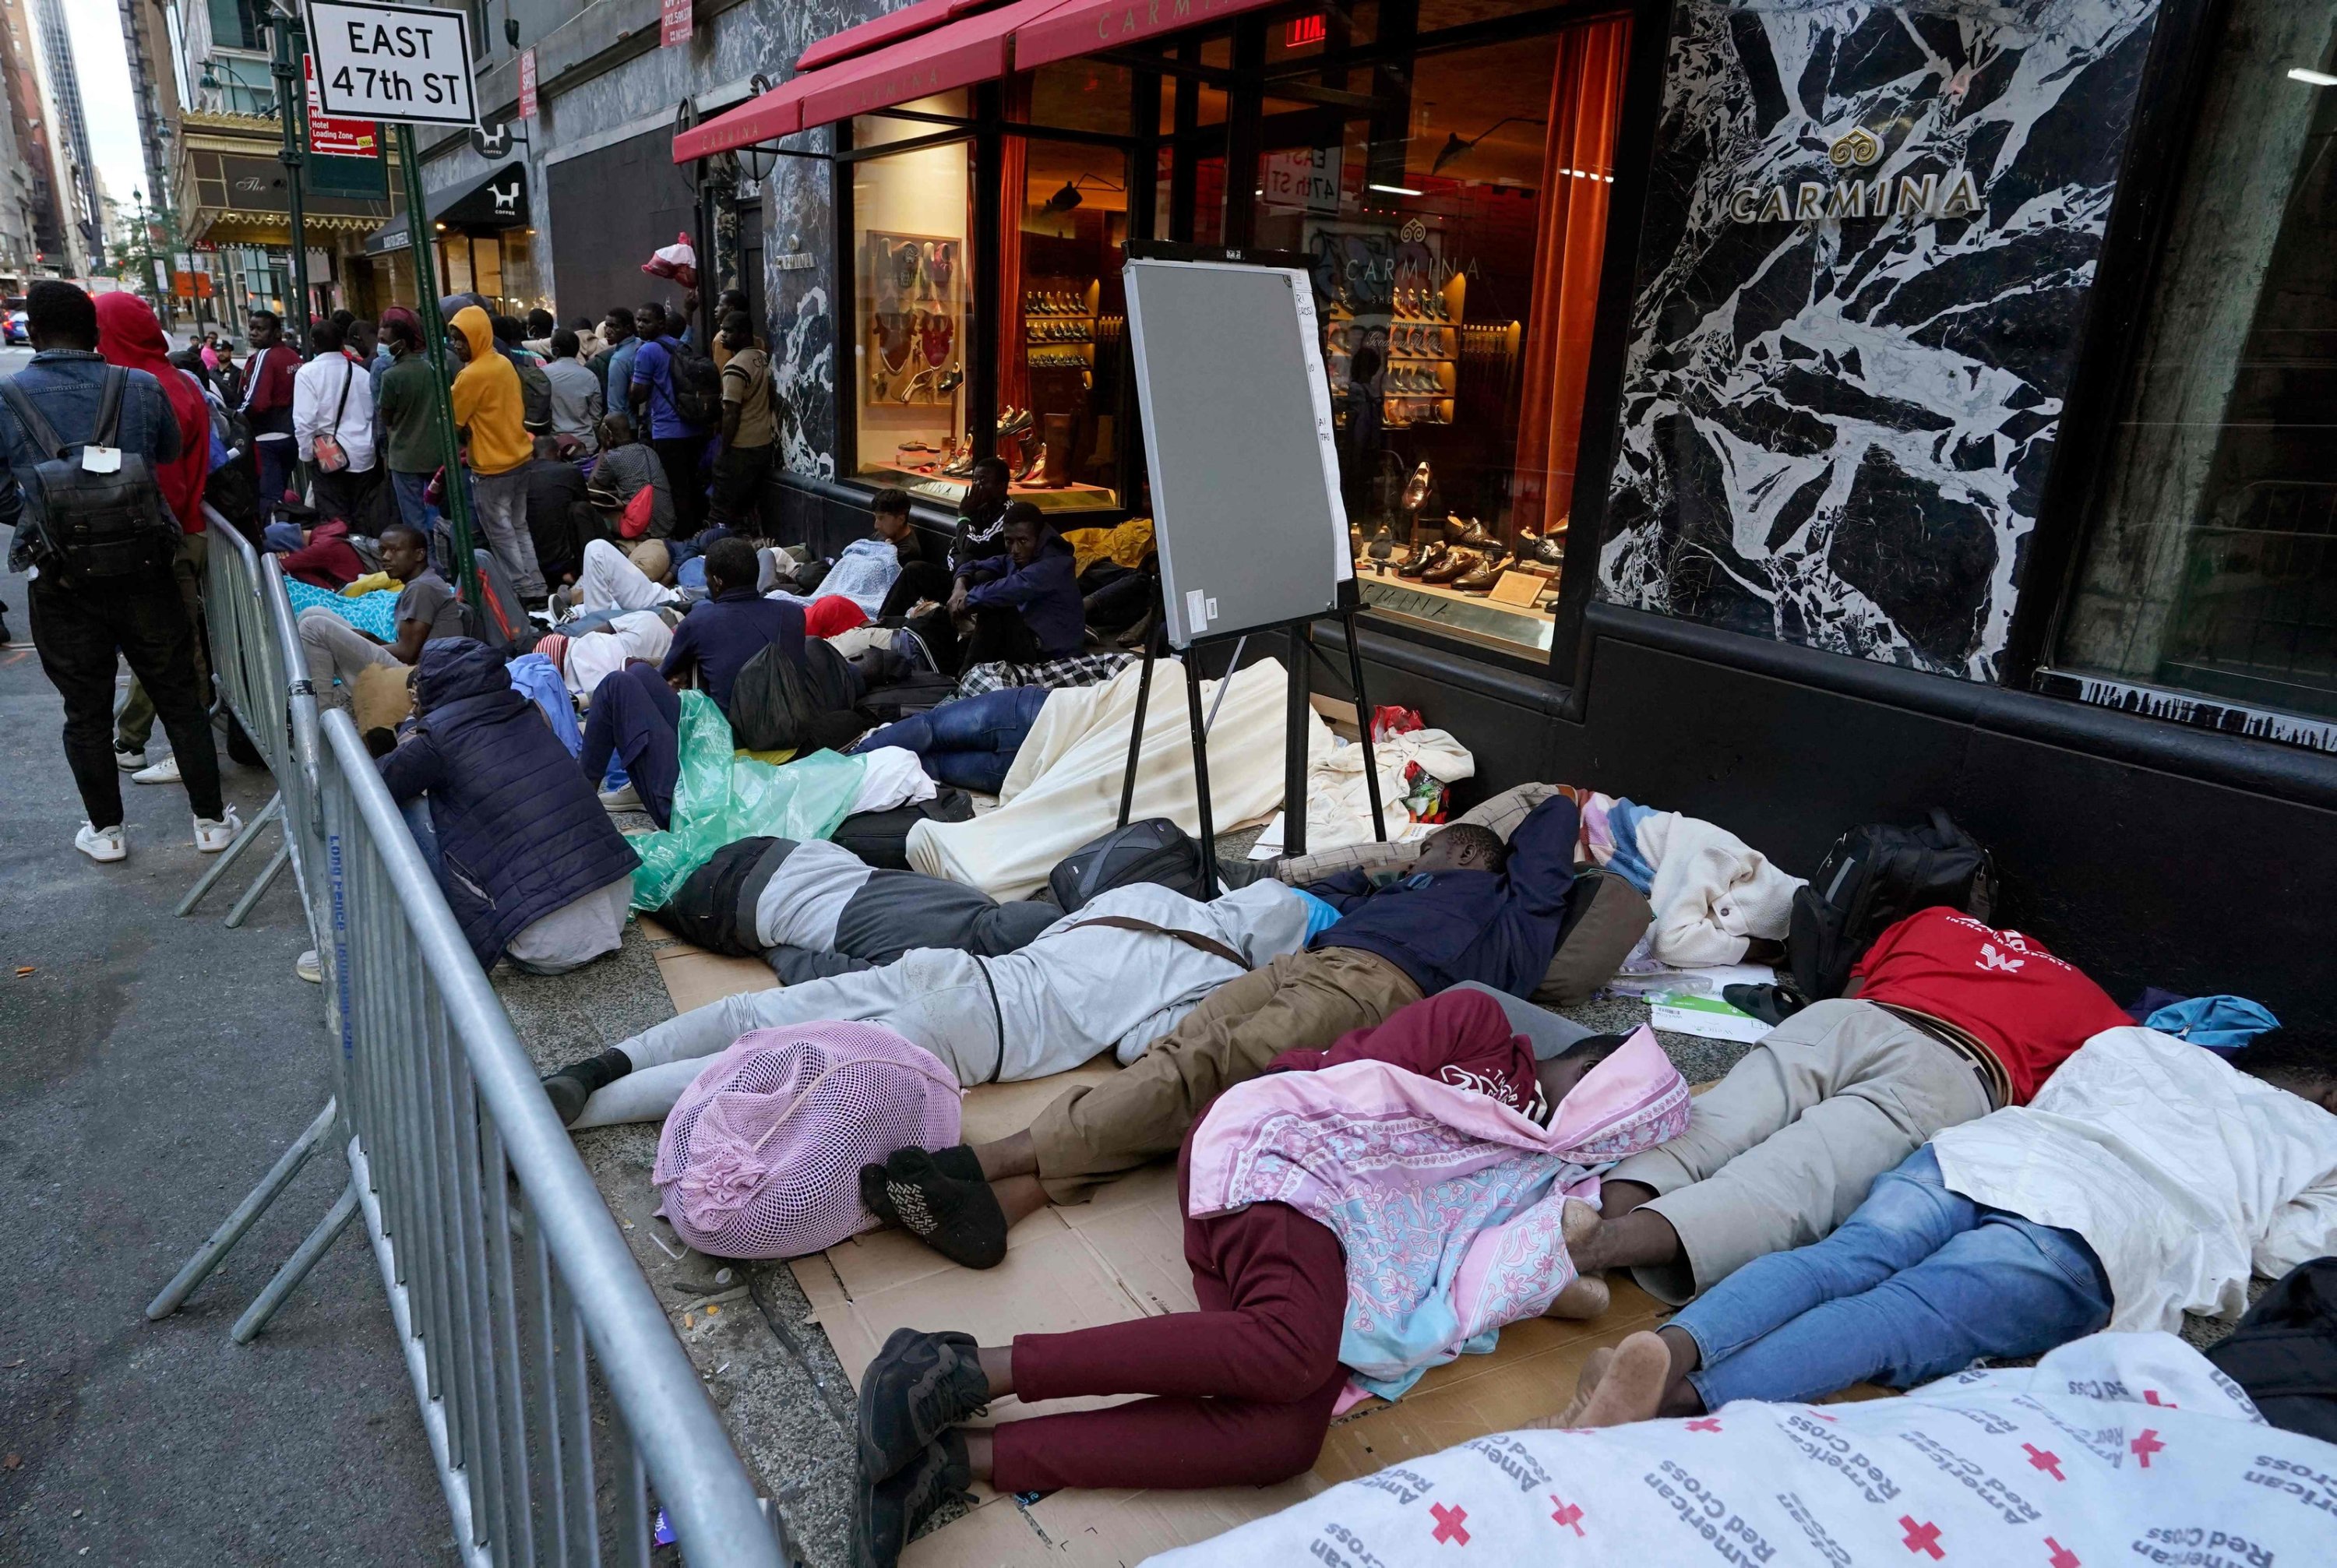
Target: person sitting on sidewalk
427	609
1024	606
2147	1179
561	517
1113	976
1350	1220
624	469
1945	1020
969	742
1471	909
635	715
810	908
530	864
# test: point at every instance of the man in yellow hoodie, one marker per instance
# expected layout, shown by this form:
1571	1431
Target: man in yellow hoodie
490	414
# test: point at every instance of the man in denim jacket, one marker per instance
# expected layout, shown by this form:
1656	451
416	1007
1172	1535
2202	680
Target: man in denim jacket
81	628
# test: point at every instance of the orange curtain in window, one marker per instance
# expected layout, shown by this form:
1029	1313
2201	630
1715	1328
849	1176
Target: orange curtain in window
1586	100
1013	197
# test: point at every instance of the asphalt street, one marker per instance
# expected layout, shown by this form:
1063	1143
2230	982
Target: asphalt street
150	1069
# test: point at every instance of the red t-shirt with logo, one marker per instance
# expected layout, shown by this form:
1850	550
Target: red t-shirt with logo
2031	1008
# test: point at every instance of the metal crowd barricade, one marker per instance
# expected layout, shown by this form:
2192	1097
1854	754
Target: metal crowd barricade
502	1263
256	663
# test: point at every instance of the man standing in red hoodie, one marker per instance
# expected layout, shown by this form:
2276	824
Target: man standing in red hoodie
129	336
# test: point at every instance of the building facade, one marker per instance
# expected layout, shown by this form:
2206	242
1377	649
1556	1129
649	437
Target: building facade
1841	409
76	170
28	186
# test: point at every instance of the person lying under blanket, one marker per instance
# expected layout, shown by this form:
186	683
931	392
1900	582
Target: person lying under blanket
2147	1179
1114	976
811	909
1945	1020
1373	1210
1472	908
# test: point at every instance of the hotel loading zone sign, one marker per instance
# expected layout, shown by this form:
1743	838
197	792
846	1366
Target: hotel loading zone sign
1954	194
404	63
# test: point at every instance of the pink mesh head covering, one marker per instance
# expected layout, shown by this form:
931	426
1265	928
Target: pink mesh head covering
761	1156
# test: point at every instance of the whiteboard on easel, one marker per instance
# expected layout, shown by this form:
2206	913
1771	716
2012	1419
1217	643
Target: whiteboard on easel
1246	516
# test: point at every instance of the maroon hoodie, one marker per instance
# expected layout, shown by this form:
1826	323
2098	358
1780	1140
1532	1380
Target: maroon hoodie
327	560
1458	1037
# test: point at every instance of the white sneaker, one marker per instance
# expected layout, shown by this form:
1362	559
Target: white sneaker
212	836
166	771
102	844
308	968
128	758
624	797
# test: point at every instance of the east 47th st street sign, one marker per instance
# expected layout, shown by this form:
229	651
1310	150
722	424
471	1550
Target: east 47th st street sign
406	63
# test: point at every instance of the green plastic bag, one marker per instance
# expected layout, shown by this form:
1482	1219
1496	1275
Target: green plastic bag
721	799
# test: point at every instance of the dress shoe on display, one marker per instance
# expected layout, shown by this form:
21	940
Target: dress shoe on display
1473	535
1456	563
1415	489
1482	579
1550	549
1424	560
1013	422
1383	546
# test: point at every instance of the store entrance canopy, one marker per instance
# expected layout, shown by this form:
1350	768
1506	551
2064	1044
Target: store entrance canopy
495	201
972	46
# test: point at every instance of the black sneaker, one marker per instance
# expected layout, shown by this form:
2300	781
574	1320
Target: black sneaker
569	1088
885	1513
918	1388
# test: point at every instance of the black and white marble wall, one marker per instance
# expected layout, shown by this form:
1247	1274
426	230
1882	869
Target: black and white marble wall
1836	427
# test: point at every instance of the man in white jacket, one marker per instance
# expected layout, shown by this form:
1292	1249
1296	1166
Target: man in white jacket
332	400
1115	976
2147	1179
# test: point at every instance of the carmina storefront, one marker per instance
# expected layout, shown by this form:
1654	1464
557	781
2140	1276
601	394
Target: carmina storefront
1798	415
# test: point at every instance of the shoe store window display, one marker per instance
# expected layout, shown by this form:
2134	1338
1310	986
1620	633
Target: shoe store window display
1457	285
912	288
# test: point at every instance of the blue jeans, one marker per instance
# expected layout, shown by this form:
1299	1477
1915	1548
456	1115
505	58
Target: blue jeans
1916	1283
969	743
412	509
277	455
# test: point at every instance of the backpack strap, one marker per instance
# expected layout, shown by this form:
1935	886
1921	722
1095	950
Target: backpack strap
37	423
1209	945
107	431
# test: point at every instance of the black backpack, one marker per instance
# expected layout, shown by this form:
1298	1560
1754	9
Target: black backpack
500	620
882	838
697	384
2284	1351
778	704
94	525
1874	877
1153	850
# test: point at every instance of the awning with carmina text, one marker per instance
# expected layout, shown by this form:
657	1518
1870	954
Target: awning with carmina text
958	47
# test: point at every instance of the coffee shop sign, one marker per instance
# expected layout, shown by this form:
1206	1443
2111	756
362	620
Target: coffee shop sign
1952	195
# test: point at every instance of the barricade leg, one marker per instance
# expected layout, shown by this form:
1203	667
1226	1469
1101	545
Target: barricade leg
251	830
260	885
296	1268
254	1203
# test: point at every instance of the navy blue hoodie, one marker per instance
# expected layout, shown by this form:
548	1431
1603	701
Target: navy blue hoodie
1442	928
520	831
1046	593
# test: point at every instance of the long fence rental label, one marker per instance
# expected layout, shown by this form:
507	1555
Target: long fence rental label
398	62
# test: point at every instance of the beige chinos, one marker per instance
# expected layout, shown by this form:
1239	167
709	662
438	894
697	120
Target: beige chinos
1778	1152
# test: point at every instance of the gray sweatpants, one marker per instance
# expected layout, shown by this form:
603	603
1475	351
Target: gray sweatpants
334	648
1778	1153
932	999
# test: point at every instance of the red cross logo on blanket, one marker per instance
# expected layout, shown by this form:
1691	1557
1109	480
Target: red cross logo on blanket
1706	1425
1448	1524
2045	1459
2150	1396
2062	1556
1568	1514
2146	1445
1924	1537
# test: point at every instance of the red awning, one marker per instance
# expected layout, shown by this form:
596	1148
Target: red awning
935	45
957	55
1075	27
777	113
923	16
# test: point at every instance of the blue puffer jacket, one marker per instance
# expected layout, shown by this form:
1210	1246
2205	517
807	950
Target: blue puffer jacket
1046	593
520	832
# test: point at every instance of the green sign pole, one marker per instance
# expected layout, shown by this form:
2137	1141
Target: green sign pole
434	332
291	110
